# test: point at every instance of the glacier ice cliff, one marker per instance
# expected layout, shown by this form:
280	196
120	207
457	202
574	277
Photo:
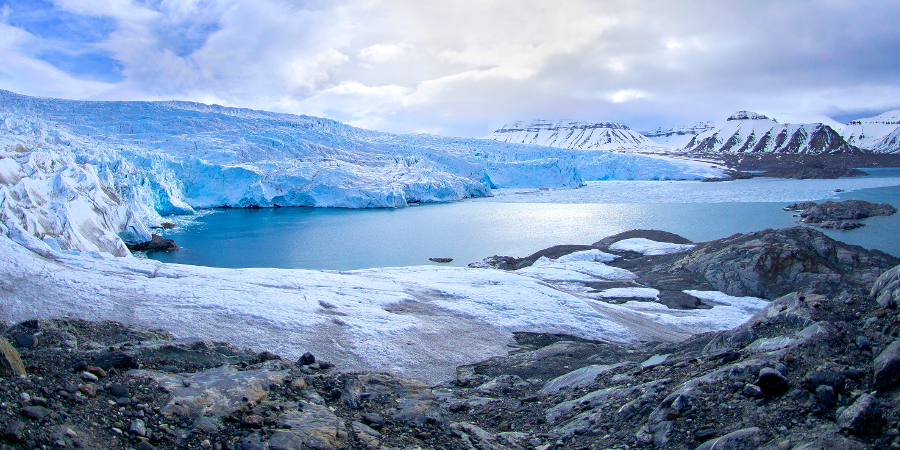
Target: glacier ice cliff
84	175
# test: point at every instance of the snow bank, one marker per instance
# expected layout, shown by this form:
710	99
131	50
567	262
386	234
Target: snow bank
649	247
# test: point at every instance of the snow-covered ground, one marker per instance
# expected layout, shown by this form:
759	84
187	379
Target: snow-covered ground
418	321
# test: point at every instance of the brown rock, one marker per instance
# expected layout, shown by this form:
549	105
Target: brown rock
10	361
88	389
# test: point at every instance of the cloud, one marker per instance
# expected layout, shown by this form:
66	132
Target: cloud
380	53
463	67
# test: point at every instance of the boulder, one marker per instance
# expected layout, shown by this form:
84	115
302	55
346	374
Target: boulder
862	417
772	383
887	367
746	438
10	361
886	290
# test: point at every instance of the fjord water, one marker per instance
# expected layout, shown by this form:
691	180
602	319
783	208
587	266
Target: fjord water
468	231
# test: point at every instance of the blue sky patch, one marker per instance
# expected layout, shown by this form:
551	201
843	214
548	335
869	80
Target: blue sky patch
92	65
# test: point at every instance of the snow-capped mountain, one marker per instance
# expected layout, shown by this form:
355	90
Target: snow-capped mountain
86	175
678	137
749	132
879	134
572	135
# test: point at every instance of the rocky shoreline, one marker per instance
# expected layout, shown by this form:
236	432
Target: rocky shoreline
816	368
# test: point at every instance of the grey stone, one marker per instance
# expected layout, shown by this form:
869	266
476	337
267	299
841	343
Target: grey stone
118	390
14	430
862	417
740	439
863	342
575	378
35	412
138	427
752	391
887	367
825	395
886	290
817	378
89	377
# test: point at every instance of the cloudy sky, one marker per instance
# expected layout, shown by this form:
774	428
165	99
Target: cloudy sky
465	67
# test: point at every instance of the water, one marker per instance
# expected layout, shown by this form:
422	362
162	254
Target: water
468	231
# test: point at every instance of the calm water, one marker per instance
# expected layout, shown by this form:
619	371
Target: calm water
468	231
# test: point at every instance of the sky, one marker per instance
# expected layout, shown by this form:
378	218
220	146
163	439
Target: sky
466	67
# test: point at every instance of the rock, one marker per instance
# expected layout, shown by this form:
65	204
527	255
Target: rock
887	367
89	377
117	360
886	290
252	421
156	244
441	260
863	343
96	371
840	225
373	420
118	390
314	425
214	392
862	417
773	263
847	210
14	431
10	361
27	341
307	359
825	395
772	382
88	389
799	207
138	427
703	434
816	378
752	391
740	439
35	412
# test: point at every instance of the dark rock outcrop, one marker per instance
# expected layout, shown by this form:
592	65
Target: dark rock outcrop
830	214
772	263
156	244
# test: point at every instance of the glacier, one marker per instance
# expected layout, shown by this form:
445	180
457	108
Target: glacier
85	174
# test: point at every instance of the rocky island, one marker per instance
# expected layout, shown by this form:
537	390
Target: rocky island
817	367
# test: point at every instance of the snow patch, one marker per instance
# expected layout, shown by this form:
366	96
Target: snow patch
649	247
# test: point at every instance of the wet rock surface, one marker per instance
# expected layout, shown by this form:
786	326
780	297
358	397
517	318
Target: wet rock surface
809	370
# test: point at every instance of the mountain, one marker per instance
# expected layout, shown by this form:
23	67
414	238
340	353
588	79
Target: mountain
880	134
573	135
749	132
87	176
678	137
